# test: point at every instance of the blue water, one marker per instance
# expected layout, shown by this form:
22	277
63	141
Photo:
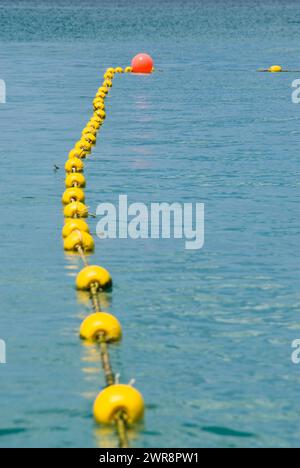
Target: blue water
207	334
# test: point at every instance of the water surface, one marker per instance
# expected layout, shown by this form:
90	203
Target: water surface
207	334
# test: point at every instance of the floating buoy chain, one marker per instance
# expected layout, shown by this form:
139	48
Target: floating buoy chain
117	404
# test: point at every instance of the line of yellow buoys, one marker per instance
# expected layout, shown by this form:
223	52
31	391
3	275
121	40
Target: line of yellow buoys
117	404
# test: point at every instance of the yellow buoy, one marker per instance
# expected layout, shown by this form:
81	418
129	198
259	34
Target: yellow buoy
110	70
93	274
102	89
275	69
108	76
101	322
95	122
83	145
90	138
107	83
75	179
99	121
101	95
76	210
100	113
73	194
76	153
74	165
99	105
96	117
74	225
99	100
119	70
128	70
79	238
116	398
89	129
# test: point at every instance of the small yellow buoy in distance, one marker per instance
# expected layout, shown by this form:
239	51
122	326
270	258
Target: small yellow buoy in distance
79	239
76	209
102	89
77	153
101	322
109	75
100	113
99	105
95	123
74	165
101	95
275	69
93	275
75	179
119	398
84	145
90	138
89	129
110	70
107	83
73	194
74	225
96	118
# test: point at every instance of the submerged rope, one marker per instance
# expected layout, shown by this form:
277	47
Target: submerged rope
122	429
107	368
82	255
94	294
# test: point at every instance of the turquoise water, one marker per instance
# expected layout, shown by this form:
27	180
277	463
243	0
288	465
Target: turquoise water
207	334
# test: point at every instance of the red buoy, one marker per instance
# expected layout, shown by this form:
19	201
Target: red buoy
142	63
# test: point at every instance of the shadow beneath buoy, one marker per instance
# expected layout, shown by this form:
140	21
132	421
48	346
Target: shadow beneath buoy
106	436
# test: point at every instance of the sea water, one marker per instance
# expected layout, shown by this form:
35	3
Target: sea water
207	333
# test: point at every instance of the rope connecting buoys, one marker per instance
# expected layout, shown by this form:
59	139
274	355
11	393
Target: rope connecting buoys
117	403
